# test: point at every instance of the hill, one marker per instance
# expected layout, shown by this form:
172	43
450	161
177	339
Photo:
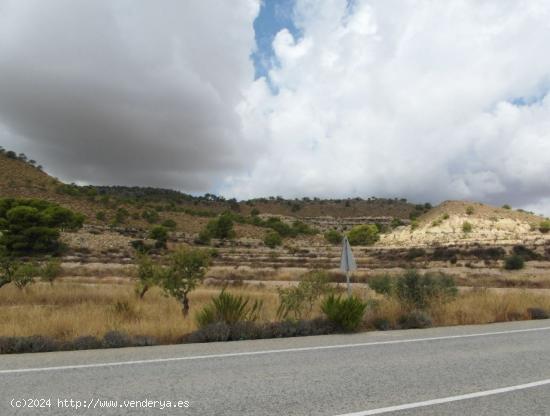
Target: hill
458	222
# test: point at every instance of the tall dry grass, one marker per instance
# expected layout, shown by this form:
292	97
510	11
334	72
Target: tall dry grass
475	306
68	310
65	310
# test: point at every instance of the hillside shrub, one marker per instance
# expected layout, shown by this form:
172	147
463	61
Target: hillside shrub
333	237
273	239
150	215
160	235
470	210
467	227
169	223
346	313
544	226
414	253
363	235
417	291
229	309
514	262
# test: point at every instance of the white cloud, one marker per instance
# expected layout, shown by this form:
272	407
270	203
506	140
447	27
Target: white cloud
394	98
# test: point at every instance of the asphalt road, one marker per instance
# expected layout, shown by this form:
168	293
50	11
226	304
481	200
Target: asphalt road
499	369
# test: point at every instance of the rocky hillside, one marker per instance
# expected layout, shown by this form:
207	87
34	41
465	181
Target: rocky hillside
459	222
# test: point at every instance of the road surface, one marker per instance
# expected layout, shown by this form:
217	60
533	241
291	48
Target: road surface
499	369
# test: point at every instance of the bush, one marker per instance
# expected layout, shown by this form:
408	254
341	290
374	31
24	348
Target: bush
169	223
415	319
34	343
100	216
298	301
85	342
414	253
417	291
230	309
220	331
514	262
381	284
538	313
50	270
273	239
506	206
116	339
333	237
221	227
467	227
151	216
363	235
382	324
160	235
544	226
470	210
346	314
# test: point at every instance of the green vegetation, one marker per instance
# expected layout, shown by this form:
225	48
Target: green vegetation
221	228
229	309
514	262
101	216
470	210
151	216
346	313
169	223
148	274
467	227
363	235
273	239
506	206
544	226
414	290
160	235
186	269
298	301
333	237
31	226
22	274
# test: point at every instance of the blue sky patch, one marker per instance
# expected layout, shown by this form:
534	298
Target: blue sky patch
274	16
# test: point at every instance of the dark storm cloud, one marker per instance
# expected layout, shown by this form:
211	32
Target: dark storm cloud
127	92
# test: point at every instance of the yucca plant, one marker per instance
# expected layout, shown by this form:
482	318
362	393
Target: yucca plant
229	308
347	313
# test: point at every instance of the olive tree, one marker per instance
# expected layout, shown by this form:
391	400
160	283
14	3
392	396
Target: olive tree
185	270
147	273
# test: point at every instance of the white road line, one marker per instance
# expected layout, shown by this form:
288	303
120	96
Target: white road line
450	399
265	352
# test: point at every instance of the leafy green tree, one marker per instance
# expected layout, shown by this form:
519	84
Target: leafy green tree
148	274
186	269
363	235
160	235
30	226
273	239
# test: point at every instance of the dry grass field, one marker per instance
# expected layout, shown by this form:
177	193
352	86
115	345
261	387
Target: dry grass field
68	310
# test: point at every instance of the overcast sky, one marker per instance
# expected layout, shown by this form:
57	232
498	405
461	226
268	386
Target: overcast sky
428	100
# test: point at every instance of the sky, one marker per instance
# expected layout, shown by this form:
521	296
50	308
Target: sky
418	99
